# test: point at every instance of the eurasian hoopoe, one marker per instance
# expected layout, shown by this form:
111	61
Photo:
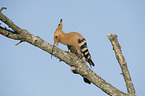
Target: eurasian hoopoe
75	42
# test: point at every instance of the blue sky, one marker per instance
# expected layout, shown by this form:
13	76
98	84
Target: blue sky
26	70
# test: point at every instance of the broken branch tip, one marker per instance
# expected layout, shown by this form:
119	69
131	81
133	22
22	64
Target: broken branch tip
3	8
18	43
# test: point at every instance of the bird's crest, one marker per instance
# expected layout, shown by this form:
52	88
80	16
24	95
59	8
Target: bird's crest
59	25
58	30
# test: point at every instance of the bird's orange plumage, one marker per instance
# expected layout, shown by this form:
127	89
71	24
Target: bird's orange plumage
75	42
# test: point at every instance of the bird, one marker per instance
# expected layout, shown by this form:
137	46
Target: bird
76	44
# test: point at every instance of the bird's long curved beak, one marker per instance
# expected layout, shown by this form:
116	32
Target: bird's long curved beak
53	48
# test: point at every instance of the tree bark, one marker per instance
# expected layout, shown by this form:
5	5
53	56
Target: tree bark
122	62
70	58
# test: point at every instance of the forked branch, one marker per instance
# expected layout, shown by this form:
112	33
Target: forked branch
70	59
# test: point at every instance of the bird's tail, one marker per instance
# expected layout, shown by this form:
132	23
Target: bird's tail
90	62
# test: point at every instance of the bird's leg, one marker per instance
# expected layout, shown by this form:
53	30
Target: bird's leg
73	69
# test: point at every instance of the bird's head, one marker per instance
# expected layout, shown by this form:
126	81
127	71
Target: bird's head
58	33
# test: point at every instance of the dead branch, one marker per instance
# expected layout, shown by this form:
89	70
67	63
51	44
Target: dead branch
122	62
70	59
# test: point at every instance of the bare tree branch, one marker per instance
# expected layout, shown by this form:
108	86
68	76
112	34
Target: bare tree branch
122	62
70	59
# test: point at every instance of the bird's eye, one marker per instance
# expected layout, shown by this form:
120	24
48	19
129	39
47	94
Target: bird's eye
55	36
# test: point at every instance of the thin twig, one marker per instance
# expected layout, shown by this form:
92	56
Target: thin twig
2	9
18	43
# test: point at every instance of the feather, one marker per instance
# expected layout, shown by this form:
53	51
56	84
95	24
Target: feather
75	42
